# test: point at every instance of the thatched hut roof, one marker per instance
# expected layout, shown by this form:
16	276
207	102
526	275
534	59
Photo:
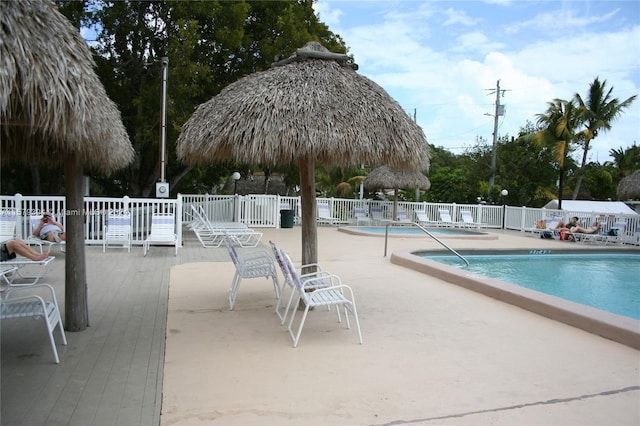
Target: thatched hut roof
310	106
385	177
51	100
629	187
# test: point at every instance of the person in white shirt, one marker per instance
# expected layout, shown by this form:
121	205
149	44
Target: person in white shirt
50	230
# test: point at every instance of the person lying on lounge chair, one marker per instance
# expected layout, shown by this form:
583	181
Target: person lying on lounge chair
9	249
50	230
591	230
566	227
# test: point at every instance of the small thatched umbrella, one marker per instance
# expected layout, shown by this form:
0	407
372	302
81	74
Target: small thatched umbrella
629	187
384	177
312	107
53	108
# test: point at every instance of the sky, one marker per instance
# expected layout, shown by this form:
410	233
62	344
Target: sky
441	61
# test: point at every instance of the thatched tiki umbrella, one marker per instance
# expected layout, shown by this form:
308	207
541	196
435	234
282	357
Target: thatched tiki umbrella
629	187
53	108
310	108
385	177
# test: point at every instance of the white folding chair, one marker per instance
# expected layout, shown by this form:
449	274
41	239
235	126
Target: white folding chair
336	294
256	263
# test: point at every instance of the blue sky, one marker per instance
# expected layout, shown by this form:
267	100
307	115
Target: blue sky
442	59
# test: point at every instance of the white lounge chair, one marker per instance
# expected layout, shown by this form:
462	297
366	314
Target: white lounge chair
468	220
28	302
337	294
23	272
403	216
325	216
377	215
256	263
34	221
360	216
117	230
8	221
545	228
446	220
163	232
212	234
423	219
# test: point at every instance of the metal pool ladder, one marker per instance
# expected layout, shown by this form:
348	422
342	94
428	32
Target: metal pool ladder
426	231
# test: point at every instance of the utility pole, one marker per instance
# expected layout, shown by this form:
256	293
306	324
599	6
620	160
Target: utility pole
498	112
162	187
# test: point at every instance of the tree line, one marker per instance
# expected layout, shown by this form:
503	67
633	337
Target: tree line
210	44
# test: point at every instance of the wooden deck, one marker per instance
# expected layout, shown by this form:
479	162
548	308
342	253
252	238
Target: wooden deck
111	373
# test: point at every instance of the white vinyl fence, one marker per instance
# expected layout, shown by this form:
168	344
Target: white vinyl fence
264	211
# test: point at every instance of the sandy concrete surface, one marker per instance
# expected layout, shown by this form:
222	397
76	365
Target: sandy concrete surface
433	353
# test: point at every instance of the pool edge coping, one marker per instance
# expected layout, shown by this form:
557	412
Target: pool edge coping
621	329
479	235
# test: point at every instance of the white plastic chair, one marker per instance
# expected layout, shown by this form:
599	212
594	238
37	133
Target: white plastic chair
163	232
31	304
337	294
256	263
117	231
288	283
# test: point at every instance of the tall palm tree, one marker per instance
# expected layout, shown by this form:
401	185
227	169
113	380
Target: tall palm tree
558	126
597	113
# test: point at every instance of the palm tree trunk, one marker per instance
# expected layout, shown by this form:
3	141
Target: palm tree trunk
576	190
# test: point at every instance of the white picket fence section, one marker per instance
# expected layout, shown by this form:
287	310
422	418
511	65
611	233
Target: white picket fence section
258	211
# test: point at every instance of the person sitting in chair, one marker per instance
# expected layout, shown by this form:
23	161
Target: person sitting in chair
9	249
50	230
591	230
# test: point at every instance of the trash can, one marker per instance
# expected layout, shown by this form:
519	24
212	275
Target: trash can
286	218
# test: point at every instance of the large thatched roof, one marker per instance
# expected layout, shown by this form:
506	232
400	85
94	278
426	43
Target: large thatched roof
385	177
51	100
310	106
629	187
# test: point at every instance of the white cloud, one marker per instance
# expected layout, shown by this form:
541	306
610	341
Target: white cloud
445	72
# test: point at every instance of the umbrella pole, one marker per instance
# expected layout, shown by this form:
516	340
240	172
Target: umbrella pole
308	201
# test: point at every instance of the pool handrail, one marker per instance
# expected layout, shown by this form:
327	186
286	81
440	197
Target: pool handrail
386	238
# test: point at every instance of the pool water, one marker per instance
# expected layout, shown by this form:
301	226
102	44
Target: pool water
610	282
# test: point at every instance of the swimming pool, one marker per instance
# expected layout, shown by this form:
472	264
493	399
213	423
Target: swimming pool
412	231
606	281
623	328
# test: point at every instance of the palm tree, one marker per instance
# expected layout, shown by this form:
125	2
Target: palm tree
597	113
558	126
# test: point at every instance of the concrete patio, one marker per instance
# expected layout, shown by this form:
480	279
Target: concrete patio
433	353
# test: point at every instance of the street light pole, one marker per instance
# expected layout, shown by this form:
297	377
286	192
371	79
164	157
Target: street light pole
504	207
